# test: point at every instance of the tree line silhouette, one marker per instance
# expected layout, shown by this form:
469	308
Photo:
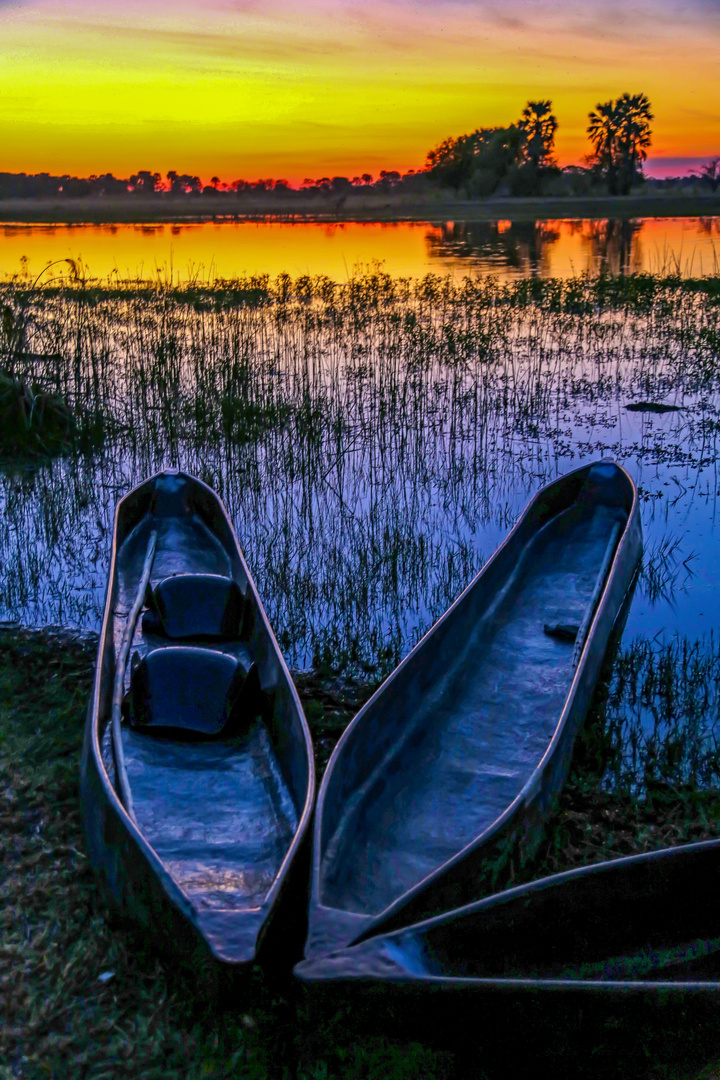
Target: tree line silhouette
144	182
517	160
520	159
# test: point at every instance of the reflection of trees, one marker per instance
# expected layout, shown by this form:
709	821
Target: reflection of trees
520	245
613	245
708	226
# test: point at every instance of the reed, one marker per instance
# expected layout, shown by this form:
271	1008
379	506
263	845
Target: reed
373	440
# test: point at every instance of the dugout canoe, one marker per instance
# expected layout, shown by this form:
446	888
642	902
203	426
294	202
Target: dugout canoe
197	776
640	926
448	771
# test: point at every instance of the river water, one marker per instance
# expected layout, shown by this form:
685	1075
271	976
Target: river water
689	246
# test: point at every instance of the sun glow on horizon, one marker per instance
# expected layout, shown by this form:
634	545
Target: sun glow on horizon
239	88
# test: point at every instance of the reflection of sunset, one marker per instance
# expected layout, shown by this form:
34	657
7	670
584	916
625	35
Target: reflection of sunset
249	89
222	250
508	249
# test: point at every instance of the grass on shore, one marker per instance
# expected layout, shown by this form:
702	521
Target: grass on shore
84	1002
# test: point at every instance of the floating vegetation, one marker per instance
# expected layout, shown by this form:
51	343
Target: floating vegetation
651	407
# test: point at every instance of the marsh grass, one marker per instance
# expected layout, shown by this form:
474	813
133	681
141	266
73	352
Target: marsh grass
646	766
373	440
36	419
666	569
662	722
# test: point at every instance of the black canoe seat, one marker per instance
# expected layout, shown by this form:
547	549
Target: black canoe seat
194	606
190	689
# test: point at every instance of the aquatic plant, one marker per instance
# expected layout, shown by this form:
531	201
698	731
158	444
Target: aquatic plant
367	435
373	440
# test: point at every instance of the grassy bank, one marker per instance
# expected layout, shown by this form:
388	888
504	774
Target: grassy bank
82	1001
440	206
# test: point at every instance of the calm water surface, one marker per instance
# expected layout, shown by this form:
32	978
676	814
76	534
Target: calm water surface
378	458
690	246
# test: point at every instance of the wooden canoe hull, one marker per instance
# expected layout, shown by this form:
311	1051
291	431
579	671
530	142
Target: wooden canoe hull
137	866
643	926
418	692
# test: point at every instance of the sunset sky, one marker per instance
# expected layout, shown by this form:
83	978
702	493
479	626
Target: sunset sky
283	88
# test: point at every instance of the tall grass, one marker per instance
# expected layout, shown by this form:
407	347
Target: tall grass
373	440
662	724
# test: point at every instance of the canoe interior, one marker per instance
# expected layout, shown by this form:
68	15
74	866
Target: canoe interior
220	813
446	753
647	919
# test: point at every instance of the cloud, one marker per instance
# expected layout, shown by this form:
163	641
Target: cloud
587	18
258	44
267	28
711	117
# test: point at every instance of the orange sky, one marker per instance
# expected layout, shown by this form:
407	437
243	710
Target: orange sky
251	88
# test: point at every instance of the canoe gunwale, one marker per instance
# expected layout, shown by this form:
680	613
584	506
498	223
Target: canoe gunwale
95	780
628	547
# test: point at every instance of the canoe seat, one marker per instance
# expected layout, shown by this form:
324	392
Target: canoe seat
194	606
189	689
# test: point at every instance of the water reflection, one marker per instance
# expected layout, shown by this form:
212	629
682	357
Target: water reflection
662	721
543	248
557	248
613	246
496	245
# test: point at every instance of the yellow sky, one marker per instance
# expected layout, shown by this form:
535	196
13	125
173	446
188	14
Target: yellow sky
326	87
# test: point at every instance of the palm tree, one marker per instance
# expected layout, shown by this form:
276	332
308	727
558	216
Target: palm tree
620	134
602	131
539	125
634	137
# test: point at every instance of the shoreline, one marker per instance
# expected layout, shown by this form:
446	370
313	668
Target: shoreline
201	209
